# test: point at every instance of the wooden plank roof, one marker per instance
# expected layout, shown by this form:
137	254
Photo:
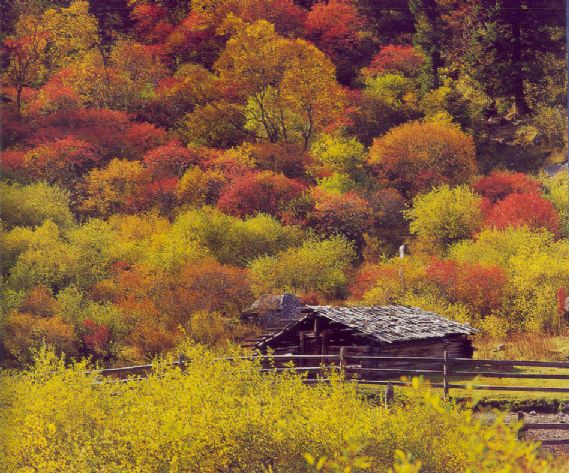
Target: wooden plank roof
386	324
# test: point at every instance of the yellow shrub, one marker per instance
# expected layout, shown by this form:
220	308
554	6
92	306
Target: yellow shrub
219	416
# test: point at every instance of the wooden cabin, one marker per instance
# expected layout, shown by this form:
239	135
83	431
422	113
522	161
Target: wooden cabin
271	313
386	331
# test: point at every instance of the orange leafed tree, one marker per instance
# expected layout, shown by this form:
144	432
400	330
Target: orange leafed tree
480	287
26	53
414	157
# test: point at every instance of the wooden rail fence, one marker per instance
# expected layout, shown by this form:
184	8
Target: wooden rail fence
387	371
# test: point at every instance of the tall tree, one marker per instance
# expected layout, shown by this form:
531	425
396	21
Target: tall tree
390	20
500	43
427	38
26	54
114	18
287	87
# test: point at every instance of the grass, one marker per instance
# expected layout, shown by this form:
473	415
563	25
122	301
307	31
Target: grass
526	347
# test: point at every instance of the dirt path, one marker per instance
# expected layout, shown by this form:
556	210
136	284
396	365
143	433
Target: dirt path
548	434
536	435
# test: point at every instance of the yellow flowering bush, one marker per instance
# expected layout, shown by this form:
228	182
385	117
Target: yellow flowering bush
219	416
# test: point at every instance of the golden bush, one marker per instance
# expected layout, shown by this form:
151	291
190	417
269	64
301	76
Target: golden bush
218	416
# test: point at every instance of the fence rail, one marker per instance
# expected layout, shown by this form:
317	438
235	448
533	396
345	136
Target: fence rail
380	369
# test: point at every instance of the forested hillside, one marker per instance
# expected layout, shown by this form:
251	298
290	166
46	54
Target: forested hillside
166	162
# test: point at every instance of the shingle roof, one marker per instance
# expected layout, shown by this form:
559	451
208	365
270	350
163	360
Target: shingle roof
394	323
387	324
285	303
553	169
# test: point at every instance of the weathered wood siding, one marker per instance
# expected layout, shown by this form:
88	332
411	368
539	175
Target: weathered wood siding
318	335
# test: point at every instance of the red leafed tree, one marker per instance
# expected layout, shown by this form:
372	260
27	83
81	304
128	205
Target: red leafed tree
111	132
341	214
140	137
193	39
286	158
62	161
264	192
336	28
159	193
12	162
562	295
396	59
151	23
517	210
96	338
14	130
169	160
500	184
56	95
480	287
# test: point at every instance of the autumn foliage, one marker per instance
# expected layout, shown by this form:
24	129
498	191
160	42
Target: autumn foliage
395	59
501	184
165	162
169	160
529	209
481	287
336	27
61	161
417	156
263	192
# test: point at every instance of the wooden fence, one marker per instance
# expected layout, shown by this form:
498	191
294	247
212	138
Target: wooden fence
447	374
385	369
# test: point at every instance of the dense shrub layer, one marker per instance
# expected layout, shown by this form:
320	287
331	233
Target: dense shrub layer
219	416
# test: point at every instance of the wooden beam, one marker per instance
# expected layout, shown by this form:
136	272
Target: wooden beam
396	371
542	364
544	426
491	374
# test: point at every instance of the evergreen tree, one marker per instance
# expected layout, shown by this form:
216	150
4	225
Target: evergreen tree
390	20
428	38
505	39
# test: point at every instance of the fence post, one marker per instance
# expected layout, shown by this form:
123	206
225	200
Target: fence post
389	394
182	361
300	361
521	432
343	358
445	374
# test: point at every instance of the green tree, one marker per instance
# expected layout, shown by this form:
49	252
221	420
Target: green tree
31	205
556	192
501	43
428	38
232	240
445	215
316	267
338	154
